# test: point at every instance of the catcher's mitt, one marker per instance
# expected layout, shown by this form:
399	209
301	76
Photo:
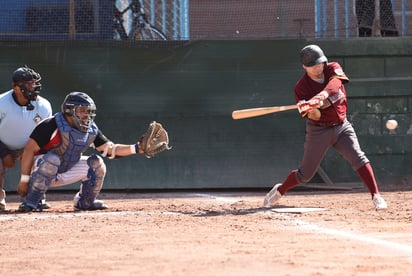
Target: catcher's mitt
154	140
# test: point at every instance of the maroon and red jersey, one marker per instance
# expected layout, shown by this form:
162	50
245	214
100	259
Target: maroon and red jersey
333	83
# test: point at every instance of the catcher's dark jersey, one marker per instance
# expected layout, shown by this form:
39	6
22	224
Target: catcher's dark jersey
47	136
306	88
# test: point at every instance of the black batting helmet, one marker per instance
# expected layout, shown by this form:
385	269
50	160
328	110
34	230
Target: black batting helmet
311	55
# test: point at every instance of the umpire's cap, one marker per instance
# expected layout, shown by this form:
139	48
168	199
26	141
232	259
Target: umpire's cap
22	75
311	55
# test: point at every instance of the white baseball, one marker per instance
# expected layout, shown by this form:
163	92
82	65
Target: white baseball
391	124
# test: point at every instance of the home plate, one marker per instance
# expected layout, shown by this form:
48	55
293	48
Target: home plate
297	210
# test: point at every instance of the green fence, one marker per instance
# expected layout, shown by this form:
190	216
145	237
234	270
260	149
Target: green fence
192	88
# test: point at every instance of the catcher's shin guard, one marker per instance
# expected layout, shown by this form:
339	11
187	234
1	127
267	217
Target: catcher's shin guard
90	188
40	180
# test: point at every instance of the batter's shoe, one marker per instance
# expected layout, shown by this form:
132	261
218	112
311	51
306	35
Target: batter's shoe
379	202
272	197
97	204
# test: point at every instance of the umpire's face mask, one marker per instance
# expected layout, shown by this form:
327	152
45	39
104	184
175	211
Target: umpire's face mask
30	90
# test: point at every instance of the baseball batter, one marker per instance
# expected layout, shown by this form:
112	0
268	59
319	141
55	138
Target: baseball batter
21	109
54	156
321	98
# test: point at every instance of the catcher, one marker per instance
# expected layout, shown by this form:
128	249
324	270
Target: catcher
53	156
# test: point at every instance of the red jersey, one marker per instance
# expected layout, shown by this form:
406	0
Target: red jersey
334	78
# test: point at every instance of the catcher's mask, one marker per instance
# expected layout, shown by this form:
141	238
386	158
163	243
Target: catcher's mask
311	55
81	108
28	81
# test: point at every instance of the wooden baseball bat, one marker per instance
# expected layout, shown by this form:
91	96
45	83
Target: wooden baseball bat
254	112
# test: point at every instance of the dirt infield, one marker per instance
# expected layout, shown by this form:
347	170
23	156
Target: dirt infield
210	233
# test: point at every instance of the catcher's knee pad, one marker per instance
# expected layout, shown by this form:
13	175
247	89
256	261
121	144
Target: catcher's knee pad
90	188
40	180
97	170
48	165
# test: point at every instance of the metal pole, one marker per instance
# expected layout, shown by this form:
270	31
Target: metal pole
336	18
152	12
347	18
318	18
72	21
325	17
376	26
164	17
184	19
403	17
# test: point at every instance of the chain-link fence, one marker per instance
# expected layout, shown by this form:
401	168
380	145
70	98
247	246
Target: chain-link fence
202	19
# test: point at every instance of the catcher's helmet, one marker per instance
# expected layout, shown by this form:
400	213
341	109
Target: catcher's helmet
311	55
81	108
26	74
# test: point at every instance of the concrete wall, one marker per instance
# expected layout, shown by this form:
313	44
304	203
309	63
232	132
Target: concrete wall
192	88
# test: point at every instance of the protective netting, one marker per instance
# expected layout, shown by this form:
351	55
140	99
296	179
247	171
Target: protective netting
132	20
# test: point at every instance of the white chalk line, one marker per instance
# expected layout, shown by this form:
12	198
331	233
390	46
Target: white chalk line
218	198
307	226
362	238
41	215
44	215
333	232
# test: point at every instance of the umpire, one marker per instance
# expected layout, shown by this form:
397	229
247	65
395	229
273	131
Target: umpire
21	109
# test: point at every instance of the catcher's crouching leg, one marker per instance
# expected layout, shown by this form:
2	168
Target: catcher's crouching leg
40	180
90	188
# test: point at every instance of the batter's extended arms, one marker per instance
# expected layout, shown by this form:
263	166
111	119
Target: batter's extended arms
303	106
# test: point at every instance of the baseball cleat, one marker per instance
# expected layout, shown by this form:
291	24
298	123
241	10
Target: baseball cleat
96	205
24	208
379	202
43	205
272	197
